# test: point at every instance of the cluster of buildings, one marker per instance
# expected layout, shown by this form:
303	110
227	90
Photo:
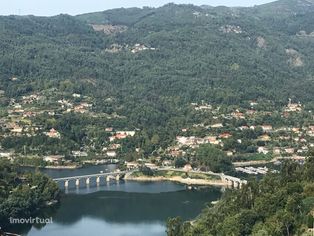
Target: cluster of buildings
231	29
24	118
82	107
219	126
141	47
121	135
292	141
136	48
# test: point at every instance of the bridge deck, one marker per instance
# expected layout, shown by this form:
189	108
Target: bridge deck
89	176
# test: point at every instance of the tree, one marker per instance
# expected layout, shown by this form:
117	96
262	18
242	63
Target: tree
146	171
258	210
155	139
174	227
309	166
285	222
180	162
23	194
213	158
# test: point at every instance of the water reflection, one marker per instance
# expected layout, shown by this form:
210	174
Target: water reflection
119	208
126	213
122	207
103	228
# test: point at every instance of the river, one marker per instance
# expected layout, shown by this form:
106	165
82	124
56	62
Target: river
123	208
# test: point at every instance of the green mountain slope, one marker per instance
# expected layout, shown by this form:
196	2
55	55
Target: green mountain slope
195	35
220	55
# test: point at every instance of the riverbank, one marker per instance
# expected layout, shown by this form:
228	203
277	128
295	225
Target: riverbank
177	179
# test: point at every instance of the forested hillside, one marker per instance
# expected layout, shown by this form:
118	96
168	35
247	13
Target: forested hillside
24	194
279	204
218	54
222	54
142	68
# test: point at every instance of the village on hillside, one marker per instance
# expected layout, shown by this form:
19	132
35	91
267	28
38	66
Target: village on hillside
33	132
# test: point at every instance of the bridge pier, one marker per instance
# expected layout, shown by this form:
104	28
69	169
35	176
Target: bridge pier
108	178
232	182
97	180
66	183
77	182
87	181
243	182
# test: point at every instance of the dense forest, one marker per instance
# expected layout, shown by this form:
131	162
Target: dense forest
222	55
279	204
22	194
